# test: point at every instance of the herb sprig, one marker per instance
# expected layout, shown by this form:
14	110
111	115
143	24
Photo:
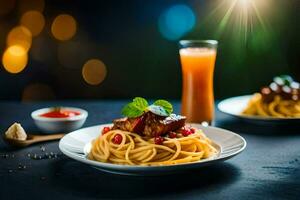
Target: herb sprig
140	105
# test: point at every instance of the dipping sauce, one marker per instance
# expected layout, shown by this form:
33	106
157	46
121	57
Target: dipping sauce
60	113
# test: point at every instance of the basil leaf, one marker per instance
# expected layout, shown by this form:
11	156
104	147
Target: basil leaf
164	104
141	103
283	80
287	79
158	110
132	110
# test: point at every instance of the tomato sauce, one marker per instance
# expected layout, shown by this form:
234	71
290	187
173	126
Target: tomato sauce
60	114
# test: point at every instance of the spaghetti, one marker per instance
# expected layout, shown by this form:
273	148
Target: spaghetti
278	107
139	150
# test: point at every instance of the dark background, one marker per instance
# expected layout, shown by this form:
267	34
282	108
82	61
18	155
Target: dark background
141	61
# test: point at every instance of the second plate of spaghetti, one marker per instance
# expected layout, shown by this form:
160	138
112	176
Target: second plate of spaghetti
277	102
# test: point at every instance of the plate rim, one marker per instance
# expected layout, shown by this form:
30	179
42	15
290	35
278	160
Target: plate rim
118	167
250	117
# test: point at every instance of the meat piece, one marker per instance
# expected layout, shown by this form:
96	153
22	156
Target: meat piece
124	124
150	124
135	125
157	125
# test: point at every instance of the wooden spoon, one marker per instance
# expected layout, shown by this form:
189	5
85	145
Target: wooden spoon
32	139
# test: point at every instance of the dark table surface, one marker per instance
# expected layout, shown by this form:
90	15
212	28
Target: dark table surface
267	169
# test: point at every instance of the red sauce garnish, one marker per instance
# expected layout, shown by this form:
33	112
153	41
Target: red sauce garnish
172	134
117	139
159	140
105	130
60	114
187	131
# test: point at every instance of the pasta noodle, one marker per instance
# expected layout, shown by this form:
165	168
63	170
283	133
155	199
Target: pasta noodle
278	107
137	150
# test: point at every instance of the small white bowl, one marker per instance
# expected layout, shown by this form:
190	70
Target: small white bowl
59	125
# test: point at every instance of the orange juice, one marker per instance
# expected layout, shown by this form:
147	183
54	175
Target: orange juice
197	90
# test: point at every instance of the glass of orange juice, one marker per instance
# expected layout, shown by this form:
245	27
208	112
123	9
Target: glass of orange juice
197	62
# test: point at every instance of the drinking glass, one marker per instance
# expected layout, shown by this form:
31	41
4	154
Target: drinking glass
197	62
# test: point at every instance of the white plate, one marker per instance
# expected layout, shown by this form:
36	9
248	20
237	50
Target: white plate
76	144
234	106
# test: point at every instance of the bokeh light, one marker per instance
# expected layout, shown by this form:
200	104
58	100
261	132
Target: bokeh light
38	92
14	59
94	71
21	36
6	6
64	27
176	21
34	21
26	5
